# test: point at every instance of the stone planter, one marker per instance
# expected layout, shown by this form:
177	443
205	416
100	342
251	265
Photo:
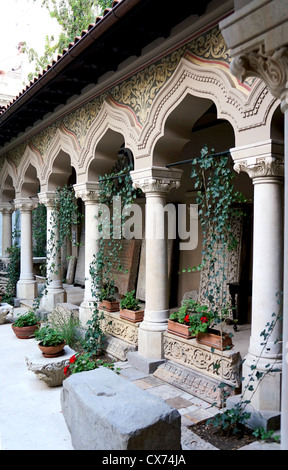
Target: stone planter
52	351
216	339
110	306
25	332
132	315
179	329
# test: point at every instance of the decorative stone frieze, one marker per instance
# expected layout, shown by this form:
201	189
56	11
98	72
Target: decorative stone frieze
200	358
115	326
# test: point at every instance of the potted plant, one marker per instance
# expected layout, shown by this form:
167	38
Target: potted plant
130	308
107	297
26	325
202	325
179	321
51	341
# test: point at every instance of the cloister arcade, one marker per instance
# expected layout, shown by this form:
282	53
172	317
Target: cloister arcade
164	114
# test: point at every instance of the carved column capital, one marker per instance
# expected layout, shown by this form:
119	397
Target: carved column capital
26	204
262	167
47	198
273	69
88	192
6	208
156	179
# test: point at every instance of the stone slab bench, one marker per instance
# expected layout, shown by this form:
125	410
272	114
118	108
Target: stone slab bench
104	411
50	370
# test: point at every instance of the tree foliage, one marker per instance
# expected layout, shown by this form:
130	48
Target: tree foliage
74	16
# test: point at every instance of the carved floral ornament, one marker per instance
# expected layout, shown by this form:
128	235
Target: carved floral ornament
263	166
160	185
272	69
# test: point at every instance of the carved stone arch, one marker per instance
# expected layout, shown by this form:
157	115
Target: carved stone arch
244	110
64	141
31	158
115	118
8	181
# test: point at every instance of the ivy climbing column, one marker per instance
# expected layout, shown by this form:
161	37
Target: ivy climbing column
264	164
155	182
7	210
89	193
55	293
26	286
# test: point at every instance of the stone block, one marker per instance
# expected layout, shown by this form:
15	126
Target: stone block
104	411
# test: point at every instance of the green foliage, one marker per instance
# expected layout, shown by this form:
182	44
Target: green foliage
27	319
39	228
74	16
67	324
49	336
95	338
129	301
13	268
217	200
231	421
266	435
84	362
108	291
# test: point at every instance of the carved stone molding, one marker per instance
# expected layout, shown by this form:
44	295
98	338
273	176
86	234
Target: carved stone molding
6	208
263	166
87	192
46	198
156	180
272	69
115	326
25	205
190	353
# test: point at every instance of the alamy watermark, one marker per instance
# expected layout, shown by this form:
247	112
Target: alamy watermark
178	221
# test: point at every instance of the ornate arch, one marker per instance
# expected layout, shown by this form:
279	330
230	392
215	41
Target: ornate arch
65	141
30	157
7	169
117	118
243	109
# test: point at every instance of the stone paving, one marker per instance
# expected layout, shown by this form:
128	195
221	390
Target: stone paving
30	411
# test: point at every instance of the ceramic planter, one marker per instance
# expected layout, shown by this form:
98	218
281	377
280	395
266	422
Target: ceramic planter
52	351
110	306
132	315
215	339
179	329
25	332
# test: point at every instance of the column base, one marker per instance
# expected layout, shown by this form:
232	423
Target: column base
26	289
150	340
146	365
267	390
52	298
267	419
85	312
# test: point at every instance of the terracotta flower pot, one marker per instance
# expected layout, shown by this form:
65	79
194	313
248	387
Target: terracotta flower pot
52	351
25	332
110	306
179	329
132	315
215	339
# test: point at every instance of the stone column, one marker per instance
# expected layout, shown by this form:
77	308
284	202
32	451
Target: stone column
26	286
257	36
7	210
155	183
264	164
55	293
89	193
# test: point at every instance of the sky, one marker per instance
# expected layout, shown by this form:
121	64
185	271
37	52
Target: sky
24	20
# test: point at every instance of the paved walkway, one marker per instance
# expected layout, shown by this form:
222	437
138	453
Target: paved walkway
30	411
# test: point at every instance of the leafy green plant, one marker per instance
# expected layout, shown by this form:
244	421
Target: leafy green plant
13	267
49	336
129	301
266	435
27	319
108	291
67	324
84	362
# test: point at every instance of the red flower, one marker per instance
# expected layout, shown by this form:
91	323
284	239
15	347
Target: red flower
72	359
204	320
66	371
186	318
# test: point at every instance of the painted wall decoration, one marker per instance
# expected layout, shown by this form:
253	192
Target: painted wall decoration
136	92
